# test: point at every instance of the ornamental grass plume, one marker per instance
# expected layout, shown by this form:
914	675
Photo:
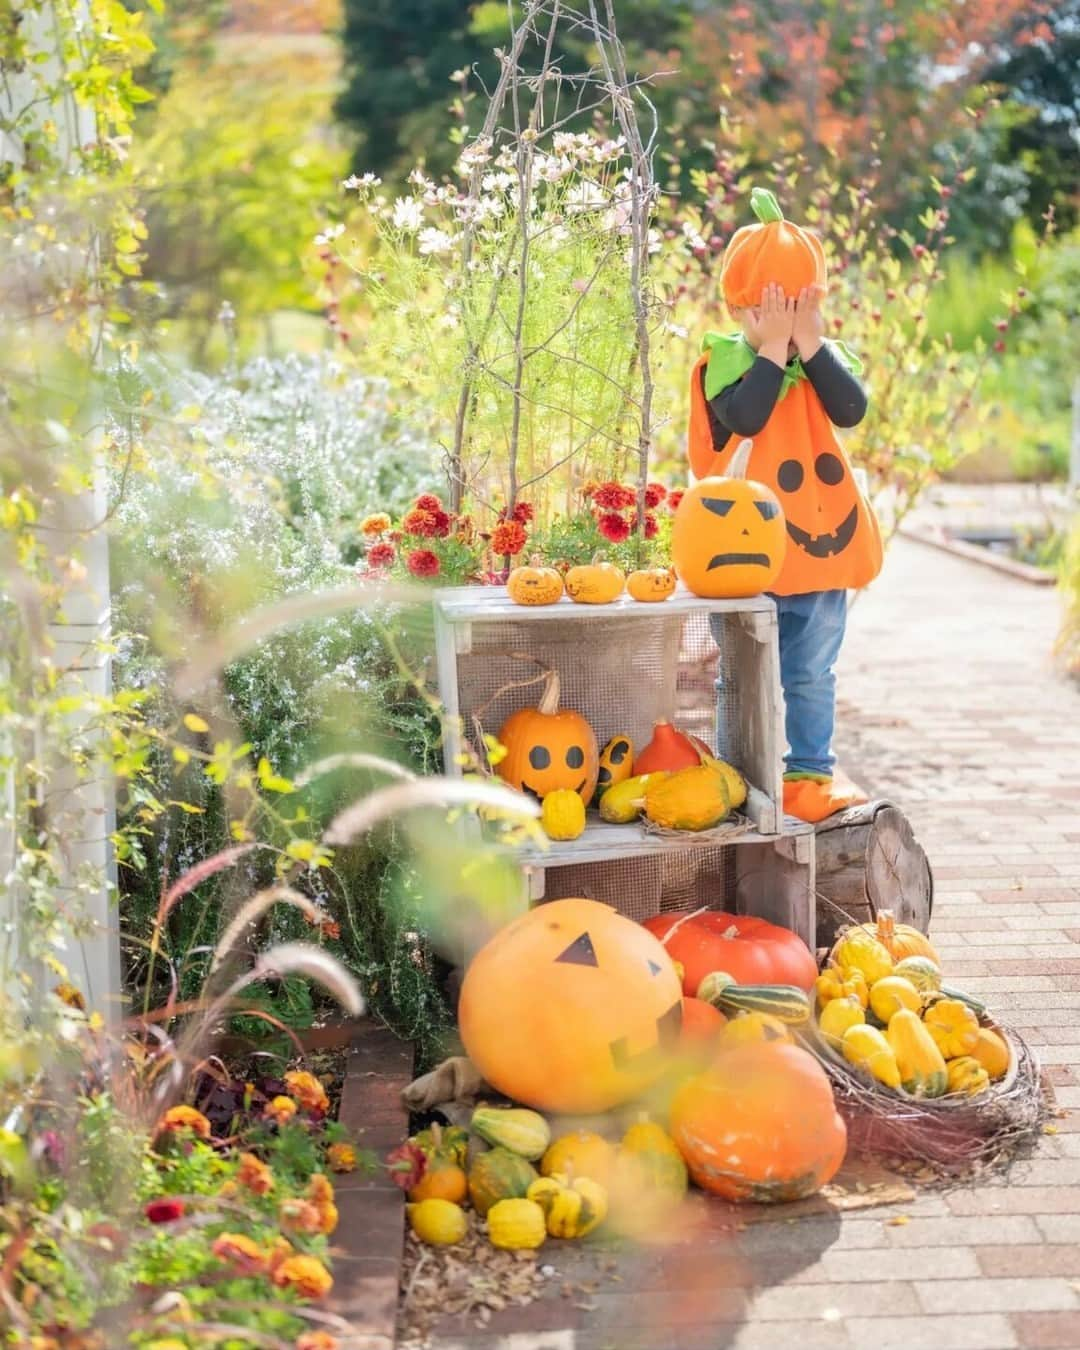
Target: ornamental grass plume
241	1252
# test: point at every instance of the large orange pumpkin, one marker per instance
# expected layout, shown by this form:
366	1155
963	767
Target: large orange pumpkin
549	747
760	1124
571	1008
774	250
750	950
728	539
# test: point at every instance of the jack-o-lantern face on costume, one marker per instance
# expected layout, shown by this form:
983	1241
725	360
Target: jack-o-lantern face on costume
728	539
548	748
824	500
571	1008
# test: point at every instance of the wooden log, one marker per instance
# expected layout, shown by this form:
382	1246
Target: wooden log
867	860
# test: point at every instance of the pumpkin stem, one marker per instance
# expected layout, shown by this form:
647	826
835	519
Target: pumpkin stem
549	700
764	205
740	460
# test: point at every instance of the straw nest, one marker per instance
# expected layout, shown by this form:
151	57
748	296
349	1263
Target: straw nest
955	1134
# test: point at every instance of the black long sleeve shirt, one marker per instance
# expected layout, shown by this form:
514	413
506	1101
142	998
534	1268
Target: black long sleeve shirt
743	408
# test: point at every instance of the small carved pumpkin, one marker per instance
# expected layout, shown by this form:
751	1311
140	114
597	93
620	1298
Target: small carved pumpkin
595	583
729	539
571	1008
549	748
651	584
616	763
534	584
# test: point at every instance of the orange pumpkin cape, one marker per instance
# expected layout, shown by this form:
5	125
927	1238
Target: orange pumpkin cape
833	537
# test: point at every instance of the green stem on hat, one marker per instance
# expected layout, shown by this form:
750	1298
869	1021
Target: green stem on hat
764	205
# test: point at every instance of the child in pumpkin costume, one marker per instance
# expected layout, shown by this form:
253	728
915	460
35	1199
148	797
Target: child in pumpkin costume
778	382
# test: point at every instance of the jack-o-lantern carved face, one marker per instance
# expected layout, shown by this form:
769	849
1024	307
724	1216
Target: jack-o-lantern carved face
827	493
728	539
571	1008
549	748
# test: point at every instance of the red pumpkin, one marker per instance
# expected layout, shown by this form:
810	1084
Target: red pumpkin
751	950
760	1124
668	750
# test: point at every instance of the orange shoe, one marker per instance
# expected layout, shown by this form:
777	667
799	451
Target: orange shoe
816	799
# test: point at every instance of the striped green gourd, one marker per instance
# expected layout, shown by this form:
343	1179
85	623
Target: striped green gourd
786	1002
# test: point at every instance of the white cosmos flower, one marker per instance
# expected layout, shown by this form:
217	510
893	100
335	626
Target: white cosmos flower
433	241
408	214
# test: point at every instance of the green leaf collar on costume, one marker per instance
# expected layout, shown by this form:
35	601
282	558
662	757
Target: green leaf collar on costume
731	356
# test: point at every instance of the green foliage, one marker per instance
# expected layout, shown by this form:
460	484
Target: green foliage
1069	581
401	56
235	166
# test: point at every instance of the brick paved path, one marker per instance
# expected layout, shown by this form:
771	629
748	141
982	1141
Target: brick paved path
950	707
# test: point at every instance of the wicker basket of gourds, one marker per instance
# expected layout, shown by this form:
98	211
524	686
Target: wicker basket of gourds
920	1071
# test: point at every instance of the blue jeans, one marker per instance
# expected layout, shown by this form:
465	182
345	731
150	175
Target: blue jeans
811	631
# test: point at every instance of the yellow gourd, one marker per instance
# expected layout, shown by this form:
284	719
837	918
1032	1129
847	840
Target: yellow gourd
516	1225
649	1161
438	1222
992	1052
689	799
562	814
867	1048
572	1208
891	994
581	1154
954	1027
922	1068
751	1027
838	1016
857	950
967	1075
616	764
624	802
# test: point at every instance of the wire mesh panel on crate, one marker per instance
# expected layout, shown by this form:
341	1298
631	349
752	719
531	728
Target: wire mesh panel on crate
641	887
707	666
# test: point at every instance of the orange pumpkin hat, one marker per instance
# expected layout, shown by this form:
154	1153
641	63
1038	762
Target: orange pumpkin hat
772	251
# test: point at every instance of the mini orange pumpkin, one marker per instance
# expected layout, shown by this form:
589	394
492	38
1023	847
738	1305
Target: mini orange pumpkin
774	250
729	539
571	1008
651	584
760	1124
534	584
595	583
549	747
900	939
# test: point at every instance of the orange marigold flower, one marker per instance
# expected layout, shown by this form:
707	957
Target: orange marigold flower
341	1158
67	993
589	487
183	1118
280	1250
508	537
421	522
305	1088
254	1174
281	1110
240	1252
331	929
300	1216
377	523
317	1340
306	1274
427	501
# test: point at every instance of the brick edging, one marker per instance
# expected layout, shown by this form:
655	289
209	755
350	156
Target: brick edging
371	1233
937	538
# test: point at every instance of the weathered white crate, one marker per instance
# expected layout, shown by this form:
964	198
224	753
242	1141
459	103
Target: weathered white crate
709	666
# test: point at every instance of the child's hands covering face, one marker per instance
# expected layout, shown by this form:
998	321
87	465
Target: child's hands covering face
808	328
770	324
